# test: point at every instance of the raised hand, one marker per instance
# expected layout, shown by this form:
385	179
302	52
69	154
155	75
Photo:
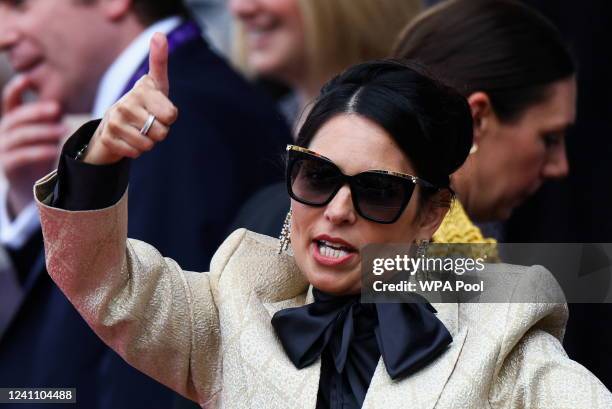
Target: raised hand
119	134
30	136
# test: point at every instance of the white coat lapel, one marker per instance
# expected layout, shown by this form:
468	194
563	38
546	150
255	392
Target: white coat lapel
422	389
309	388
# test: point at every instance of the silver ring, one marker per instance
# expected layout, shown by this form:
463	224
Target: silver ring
147	126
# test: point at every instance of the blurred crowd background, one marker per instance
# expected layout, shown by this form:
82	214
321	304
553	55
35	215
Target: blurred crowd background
320	38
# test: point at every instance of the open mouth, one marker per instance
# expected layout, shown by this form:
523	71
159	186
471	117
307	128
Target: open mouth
261	25
333	250
259	33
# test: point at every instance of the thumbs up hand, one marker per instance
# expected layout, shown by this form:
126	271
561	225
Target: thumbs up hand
141	118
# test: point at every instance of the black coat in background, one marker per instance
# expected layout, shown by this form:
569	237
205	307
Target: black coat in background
183	195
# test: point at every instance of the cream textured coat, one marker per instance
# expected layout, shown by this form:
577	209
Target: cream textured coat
208	335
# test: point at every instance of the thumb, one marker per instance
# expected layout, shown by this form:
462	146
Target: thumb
158	62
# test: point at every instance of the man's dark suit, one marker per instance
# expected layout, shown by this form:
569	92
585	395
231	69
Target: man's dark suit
226	144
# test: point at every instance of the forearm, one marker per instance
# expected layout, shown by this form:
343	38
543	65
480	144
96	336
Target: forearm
137	301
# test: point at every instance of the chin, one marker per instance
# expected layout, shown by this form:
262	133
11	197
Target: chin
52	95
505	210
334	283
52	91
262	65
274	65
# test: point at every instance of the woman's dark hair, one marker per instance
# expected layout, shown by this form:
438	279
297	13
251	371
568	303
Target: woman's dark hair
500	47
430	122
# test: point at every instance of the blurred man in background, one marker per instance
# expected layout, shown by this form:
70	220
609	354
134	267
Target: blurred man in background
80	56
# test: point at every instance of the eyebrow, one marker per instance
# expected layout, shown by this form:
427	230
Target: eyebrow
413	178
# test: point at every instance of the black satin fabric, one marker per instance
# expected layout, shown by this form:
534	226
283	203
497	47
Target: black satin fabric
350	338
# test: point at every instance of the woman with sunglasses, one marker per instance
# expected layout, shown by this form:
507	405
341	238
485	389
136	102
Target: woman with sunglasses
267	329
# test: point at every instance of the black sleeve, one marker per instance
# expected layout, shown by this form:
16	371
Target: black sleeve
81	186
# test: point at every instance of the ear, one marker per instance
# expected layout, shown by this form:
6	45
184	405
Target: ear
433	214
483	115
116	9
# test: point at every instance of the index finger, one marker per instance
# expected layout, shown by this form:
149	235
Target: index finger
12	94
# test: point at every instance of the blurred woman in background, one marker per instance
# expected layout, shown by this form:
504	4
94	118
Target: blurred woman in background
519	78
303	43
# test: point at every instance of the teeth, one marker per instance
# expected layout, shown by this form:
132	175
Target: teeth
331	252
333	246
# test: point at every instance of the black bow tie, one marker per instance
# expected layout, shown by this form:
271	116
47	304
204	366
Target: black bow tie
408	335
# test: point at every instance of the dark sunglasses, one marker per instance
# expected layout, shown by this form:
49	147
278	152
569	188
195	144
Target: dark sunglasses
378	195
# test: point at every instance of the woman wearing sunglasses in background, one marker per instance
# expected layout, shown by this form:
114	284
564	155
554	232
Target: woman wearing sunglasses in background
285	329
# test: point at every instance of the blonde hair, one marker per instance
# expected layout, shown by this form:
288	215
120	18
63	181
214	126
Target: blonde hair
340	33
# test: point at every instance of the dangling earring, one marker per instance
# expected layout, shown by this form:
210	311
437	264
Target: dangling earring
422	245
421	252
473	149
285	235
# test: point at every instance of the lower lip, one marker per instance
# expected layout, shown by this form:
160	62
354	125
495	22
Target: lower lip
257	40
260	39
330	261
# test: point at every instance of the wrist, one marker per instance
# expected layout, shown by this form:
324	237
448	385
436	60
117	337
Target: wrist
91	154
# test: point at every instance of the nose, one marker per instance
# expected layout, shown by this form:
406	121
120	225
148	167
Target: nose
340	210
242	8
557	165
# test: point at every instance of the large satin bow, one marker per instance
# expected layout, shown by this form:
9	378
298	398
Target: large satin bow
409	335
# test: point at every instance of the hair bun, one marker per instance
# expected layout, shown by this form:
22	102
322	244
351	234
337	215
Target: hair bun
430	122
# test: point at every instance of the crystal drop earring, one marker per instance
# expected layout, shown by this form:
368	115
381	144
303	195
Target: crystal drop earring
285	235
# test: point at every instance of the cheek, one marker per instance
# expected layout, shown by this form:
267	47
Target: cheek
513	161
282	52
292	43
52	30
282	49
294	31
302	219
287	12
528	157
405	230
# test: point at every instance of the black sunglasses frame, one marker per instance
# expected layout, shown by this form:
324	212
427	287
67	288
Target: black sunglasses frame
410	181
